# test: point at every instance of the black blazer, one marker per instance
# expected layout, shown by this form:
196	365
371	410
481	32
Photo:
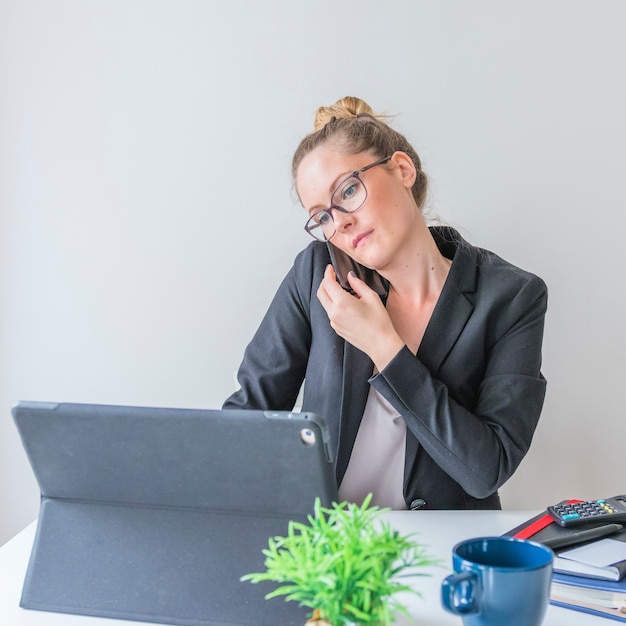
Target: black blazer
471	397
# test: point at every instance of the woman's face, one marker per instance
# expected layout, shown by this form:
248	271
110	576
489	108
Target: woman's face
375	233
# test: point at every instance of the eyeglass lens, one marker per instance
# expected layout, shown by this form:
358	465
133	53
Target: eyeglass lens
348	197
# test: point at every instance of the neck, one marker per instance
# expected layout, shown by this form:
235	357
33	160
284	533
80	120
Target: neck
420	271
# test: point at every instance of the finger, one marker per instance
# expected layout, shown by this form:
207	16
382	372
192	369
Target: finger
322	291
360	288
331	284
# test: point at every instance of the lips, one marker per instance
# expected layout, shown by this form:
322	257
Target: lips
359	238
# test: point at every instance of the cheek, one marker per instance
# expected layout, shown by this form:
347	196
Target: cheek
388	212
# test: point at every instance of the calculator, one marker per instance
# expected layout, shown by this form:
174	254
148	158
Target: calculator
579	513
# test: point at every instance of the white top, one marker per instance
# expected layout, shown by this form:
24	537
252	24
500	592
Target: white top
377	460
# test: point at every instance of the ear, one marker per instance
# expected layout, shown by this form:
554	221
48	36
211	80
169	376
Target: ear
405	167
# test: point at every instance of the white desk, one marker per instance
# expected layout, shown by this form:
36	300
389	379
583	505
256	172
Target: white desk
439	530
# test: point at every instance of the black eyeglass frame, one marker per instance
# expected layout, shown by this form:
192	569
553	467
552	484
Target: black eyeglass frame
311	223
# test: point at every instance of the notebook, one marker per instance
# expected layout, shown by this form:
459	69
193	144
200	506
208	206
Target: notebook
543	529
154	514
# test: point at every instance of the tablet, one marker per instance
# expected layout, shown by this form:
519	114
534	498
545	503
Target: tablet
154	514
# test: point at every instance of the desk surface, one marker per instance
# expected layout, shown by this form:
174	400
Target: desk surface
439	530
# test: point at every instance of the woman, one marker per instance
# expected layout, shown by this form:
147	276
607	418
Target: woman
431	392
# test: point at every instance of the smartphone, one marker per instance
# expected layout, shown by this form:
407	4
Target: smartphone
343	264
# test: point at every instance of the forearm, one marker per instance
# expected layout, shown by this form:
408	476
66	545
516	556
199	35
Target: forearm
479	448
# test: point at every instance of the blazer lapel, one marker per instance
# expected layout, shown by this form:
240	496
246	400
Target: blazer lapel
357	370
451	313
453	309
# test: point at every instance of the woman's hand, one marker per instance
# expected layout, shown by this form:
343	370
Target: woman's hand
361	320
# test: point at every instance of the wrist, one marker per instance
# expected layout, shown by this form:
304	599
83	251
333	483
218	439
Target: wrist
385	352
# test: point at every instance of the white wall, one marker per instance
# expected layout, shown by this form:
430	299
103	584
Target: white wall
147	214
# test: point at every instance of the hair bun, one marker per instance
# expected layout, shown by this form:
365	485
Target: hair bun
344	108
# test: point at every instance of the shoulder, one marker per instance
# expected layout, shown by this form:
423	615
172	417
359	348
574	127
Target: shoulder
315	255
500	292
306	273
310	264
477	269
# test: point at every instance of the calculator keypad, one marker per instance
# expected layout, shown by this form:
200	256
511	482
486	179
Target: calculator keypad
584	509
577	513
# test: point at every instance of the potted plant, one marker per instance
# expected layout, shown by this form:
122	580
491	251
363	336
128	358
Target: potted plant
345	565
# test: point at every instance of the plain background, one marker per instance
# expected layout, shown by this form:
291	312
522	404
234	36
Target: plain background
147	211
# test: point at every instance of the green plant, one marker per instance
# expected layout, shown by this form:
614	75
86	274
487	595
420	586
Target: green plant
345	564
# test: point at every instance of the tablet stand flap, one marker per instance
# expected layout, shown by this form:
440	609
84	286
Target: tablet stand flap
155	514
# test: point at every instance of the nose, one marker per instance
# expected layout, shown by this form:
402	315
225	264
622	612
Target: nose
343	221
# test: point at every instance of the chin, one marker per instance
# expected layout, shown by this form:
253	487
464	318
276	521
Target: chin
368	257
369	263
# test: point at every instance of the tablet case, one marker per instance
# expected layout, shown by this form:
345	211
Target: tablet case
154	514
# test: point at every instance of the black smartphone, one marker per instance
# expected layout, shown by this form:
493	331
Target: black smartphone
343	264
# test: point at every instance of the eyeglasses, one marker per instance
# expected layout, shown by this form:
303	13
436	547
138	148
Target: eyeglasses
348	197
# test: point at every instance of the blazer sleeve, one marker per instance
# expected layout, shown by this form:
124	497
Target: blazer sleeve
274	362
479	442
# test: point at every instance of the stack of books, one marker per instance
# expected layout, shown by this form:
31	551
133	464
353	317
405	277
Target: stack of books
589	572
590	595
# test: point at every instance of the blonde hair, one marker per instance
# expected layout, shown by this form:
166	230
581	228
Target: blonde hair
352	126
344	108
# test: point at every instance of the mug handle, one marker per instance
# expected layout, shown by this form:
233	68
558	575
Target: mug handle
459	593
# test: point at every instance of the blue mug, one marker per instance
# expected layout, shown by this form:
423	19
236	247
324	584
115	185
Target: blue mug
499	581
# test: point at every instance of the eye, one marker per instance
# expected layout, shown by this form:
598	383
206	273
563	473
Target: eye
321	218
349	192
